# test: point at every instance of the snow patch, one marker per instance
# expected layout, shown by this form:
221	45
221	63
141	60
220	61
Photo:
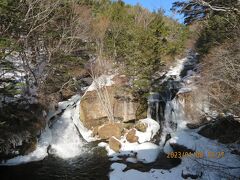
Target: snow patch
184	90
102	81
147	152
152	129
176	70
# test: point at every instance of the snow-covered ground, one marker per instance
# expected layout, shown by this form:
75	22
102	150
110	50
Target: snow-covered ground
63	140
222	166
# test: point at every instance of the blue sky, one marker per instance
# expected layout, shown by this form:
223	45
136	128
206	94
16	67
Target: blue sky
156	4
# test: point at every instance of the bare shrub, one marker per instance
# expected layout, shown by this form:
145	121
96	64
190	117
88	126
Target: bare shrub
99	71
220	76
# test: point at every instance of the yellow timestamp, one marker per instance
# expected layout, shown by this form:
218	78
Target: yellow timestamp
196	154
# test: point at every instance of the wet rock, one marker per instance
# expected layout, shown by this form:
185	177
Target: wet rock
13	144
66	93
114	144
131	136
28	147
106	131
168	136
140	126
224	129
193	126
141	112
191	173
23	123
180	148
236	151
95	131
128	125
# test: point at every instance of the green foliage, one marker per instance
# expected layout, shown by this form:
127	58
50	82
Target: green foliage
218	45
139	40
134	38
220	20
218	29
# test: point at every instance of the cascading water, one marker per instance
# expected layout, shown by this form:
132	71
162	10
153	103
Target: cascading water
65	137
160	105
65	140
174	114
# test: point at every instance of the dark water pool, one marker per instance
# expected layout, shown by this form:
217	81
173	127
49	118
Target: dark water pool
91	165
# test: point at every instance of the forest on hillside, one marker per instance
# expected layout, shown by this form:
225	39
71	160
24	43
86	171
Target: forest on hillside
217	25
54	38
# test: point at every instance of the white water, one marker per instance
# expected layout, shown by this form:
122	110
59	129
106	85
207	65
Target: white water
63	137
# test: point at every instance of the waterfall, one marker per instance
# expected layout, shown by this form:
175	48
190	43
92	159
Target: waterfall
153	106
64	138
174	110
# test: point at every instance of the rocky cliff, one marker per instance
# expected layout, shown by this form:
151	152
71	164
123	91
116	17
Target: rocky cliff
122	104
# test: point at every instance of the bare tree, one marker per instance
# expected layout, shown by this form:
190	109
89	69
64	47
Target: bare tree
98	72
216	7
196	10
100	68
49	28
221	77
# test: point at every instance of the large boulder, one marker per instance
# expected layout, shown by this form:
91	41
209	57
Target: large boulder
192	103
106	131
224	129
189	108
115	144
131	136
119	102
140	126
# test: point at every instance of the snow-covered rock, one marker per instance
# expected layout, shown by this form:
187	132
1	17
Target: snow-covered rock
145	152
152	129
